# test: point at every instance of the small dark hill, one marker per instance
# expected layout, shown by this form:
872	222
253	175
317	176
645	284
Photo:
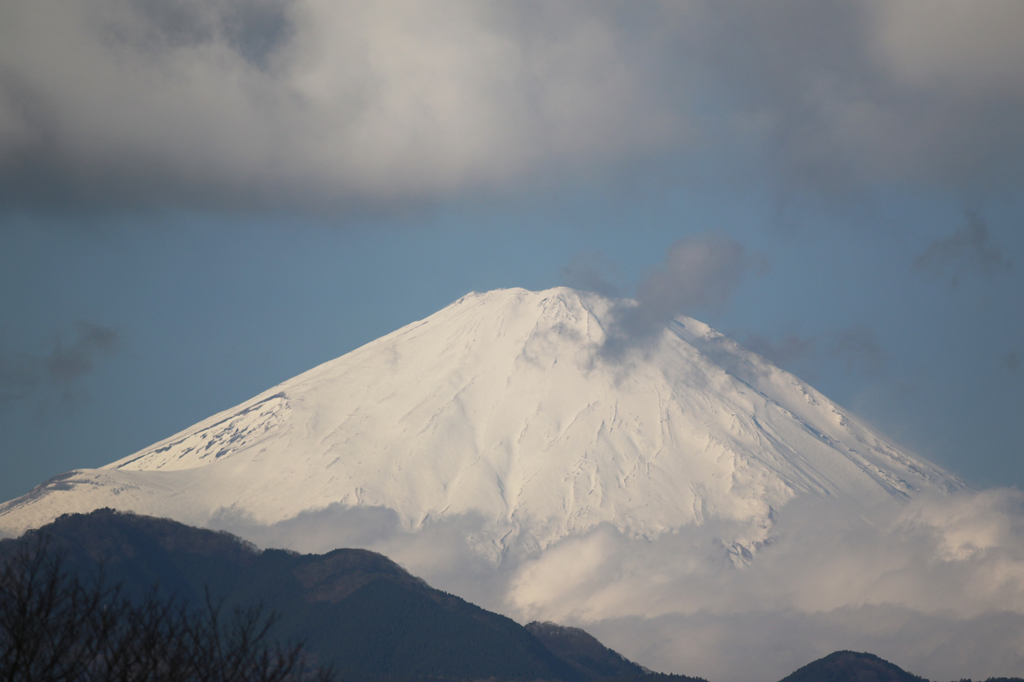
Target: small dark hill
850	666
583	651
654	677
354	609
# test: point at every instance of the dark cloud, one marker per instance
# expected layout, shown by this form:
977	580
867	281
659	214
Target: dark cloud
784	353
55	376
783	65
846	97
68	362
592	272
19	376
252	28
257	29
859	350
856	348
310	103
967	250
698	274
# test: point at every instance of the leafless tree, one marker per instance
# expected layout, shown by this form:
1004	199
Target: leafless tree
58	626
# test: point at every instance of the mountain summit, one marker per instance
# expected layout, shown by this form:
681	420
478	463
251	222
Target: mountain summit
506	406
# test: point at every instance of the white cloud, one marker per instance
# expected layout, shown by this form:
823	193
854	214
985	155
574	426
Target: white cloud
698	273
938	589
768	645
960	47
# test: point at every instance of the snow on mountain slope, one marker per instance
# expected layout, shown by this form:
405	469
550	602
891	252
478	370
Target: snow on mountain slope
503	405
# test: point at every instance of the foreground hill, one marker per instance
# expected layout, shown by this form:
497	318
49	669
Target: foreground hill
583	651
849	666
355	610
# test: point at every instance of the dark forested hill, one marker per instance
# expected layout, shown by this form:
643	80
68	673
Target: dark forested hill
354	609
849	666
583	651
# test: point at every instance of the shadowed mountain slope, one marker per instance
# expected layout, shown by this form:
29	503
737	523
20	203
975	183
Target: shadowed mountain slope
583	651
355	609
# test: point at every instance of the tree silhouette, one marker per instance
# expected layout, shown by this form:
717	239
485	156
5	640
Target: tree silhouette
57	625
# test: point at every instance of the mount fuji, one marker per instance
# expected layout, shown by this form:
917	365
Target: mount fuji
692	505
506	405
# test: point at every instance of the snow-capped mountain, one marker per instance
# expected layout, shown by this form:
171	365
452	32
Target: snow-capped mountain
683	499
505	405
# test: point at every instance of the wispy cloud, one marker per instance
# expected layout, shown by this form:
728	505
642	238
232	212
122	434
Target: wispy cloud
967	250
591	271
19	376
784	353
698	274
55	376
68	362
858	349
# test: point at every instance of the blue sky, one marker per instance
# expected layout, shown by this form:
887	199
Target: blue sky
200	200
